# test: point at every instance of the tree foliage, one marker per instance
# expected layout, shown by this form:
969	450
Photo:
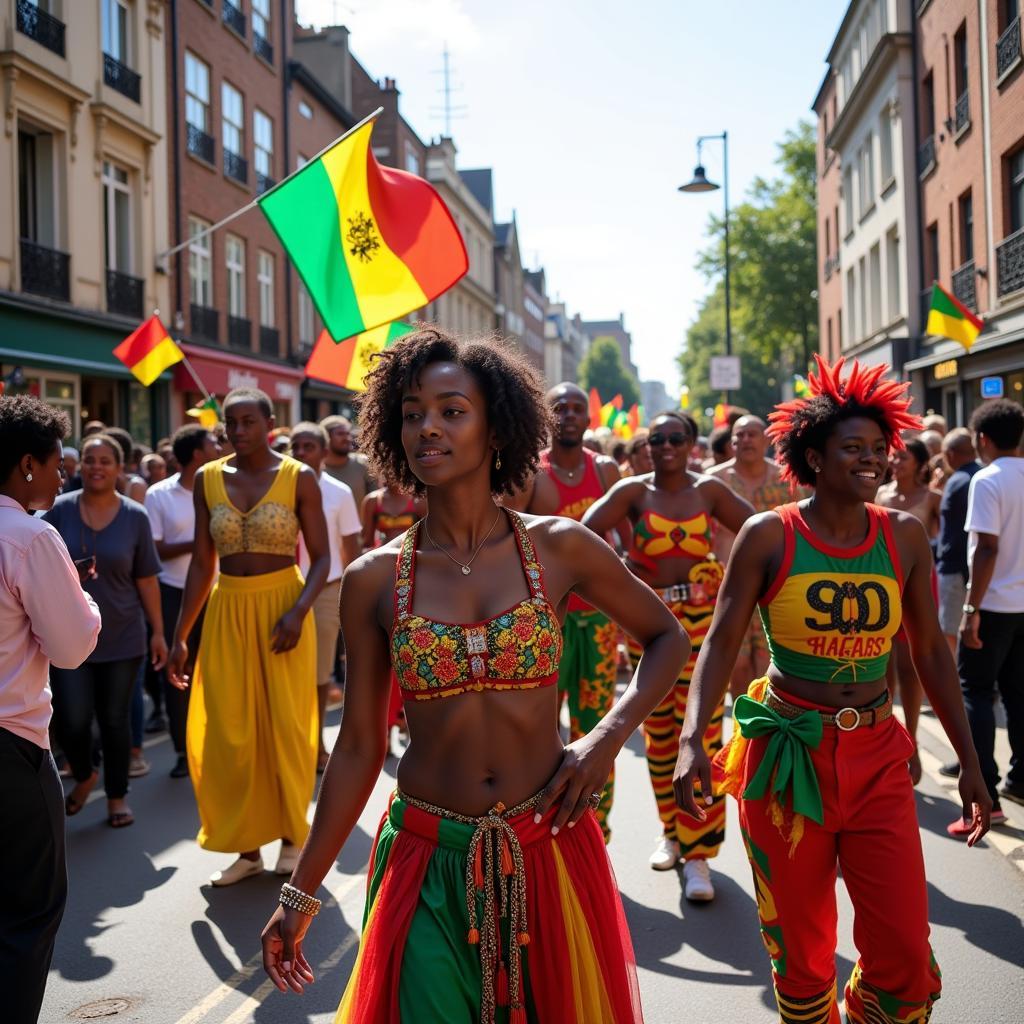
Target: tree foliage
602	368
773	243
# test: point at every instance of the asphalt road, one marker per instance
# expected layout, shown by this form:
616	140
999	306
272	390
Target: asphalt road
144	940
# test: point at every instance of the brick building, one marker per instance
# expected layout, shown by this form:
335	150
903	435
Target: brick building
830	278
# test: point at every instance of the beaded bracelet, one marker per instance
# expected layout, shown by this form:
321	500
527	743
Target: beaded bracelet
298	900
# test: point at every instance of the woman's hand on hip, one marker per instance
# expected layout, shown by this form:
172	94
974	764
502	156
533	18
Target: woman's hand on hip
283	959
583	773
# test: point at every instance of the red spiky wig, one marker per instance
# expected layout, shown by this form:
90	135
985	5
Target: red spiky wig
805	423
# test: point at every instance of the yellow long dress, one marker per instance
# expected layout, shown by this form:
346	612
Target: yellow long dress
252	719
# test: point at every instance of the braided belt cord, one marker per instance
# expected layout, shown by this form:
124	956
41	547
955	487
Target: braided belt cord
496	869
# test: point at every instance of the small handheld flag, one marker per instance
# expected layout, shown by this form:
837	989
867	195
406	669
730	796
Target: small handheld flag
594	405
347	363
949	318
148	351
208	413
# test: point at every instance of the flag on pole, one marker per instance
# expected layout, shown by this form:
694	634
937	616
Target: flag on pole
370	243
594	400
684	397
801	386
208	413
347	363
949	318
148	351
721	415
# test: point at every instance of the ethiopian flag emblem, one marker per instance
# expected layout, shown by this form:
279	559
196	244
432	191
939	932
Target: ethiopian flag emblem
949	318
371	243
348	362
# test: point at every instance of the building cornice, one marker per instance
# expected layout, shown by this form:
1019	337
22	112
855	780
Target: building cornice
298	72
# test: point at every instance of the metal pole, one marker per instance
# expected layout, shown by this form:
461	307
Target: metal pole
725	189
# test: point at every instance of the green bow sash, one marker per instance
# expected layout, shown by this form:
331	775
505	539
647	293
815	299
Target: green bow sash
787	754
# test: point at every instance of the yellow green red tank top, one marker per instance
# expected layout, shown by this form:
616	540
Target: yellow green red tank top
831	613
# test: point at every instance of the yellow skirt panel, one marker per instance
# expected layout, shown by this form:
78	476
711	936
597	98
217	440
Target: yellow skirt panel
252	718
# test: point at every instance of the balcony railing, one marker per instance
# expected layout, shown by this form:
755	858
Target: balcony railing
124	294
831	265
962	115
199	143
270	338
263	183
236	166
926	156
262	47
44	28
1010	263
45	271
205	322
963	286
240	332
121	77
233	18
1008	53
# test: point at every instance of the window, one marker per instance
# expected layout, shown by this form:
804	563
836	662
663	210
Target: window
261	18
848	199
885	130
867	176
927	106
306	316
1010	10
892	270
966	205
233	118
839	329
960	59
828	238
234	251
117	224
875	298
830	354
1017	191
265	280
197	92
115	29
36	191
200	264
305	110
412	159
931	253
862	297
263	142
851	300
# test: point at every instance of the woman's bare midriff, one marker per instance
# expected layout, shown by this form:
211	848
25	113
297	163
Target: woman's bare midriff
249	563
667	572
830	695
466	751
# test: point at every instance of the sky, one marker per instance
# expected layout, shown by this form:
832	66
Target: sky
588	112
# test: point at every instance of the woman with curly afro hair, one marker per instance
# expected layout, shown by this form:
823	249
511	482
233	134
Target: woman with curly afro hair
818	762
490	885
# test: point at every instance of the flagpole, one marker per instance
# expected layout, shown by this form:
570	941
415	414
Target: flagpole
161	259
195	376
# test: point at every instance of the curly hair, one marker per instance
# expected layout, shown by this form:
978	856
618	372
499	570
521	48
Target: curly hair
516	409
28	427
806	423
1001	420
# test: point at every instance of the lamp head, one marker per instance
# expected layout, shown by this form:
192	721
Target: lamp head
700	182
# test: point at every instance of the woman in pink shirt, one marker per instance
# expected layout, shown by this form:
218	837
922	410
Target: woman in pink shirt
45	617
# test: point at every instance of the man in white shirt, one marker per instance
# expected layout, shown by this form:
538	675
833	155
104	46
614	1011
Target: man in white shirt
173	520
991	649
309	445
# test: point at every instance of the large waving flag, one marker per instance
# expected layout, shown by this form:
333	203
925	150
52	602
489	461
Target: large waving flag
371	243
949	318
148	351
347	364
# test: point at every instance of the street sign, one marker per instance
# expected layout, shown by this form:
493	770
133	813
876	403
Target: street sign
991	387
725	373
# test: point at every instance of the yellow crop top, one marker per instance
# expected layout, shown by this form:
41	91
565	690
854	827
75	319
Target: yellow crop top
270	527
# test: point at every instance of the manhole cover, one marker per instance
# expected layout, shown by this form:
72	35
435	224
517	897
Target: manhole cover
102	1008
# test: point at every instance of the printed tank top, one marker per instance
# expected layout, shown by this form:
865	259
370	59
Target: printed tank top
831	613
518	649
655	537
270	527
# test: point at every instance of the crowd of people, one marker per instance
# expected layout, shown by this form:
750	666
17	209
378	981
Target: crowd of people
484	544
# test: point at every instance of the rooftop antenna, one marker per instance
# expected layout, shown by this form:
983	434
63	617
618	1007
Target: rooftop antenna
449	112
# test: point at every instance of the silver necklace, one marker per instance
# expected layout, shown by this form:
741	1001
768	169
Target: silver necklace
465	566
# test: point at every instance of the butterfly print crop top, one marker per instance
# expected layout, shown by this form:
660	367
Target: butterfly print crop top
518	649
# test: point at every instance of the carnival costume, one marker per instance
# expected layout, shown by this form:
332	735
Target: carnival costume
821	787
252	720
590	639
488	919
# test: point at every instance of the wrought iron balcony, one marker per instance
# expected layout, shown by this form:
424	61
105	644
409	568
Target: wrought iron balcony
240	333
124	294
233	17
44	28
964	286
205	322
262	47
831	265
926	156
962	117
263	183
236	166
270	341
199	143
45	271
1008	51
1010	263
121	77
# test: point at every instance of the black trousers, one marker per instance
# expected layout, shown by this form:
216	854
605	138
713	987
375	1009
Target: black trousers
105	689
33	867
176	700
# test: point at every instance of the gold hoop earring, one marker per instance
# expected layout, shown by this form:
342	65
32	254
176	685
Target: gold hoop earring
497	459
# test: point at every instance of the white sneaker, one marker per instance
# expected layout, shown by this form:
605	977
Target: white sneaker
286	859
236	872
697	881
666	854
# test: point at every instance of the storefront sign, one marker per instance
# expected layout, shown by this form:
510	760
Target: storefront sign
725	373
991	387
947	369
221	372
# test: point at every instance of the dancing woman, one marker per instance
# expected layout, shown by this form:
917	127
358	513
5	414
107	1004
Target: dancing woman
671	511
490	895
820	764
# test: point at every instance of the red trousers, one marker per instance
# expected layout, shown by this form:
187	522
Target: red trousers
869	831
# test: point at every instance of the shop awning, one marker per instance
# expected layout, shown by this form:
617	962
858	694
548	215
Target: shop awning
223	369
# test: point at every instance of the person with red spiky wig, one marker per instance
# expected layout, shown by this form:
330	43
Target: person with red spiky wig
817	761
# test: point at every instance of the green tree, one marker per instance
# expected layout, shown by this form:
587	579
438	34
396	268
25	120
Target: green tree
602	368
774	277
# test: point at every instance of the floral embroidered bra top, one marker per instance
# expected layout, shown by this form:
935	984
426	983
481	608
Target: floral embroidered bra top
518	649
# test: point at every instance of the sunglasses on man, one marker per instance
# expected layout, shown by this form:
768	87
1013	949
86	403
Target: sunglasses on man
677	439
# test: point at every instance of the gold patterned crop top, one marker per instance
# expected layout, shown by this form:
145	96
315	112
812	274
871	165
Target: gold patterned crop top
270	527
518	649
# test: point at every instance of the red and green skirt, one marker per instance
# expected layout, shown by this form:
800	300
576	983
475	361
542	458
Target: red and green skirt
490	920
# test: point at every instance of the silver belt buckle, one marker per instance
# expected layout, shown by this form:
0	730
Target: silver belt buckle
852	724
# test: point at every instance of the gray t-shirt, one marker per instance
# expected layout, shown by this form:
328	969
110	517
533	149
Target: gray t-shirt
124	552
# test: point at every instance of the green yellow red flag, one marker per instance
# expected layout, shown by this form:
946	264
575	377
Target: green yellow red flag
371	243
148	351
594	403
949	318
348	362
208	413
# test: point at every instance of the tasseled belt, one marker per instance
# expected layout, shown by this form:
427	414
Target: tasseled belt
495	853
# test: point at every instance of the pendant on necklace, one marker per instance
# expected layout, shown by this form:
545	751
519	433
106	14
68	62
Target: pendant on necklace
466	570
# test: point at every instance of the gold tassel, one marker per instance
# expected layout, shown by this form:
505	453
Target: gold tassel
732	758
